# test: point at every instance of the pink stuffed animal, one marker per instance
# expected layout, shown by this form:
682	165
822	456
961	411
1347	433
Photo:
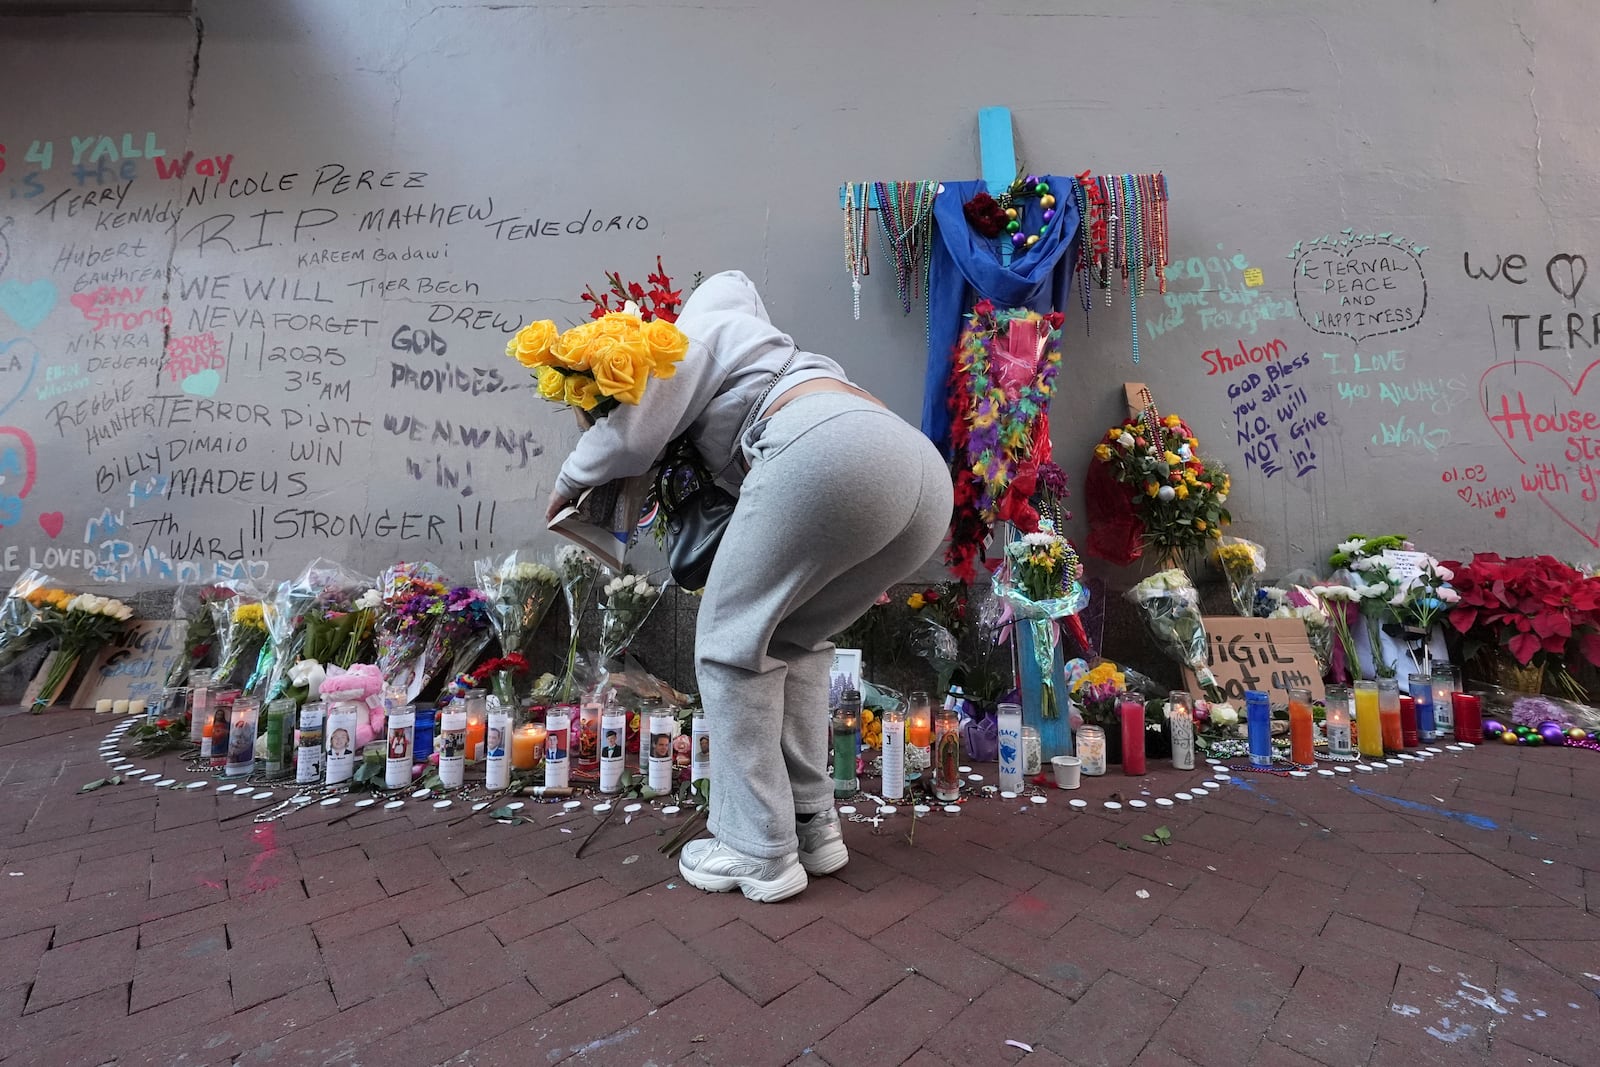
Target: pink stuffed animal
360	684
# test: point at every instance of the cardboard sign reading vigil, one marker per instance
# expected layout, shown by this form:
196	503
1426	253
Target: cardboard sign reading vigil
1272	655
134	665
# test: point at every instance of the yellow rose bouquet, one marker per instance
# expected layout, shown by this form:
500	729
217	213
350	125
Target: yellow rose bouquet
609	360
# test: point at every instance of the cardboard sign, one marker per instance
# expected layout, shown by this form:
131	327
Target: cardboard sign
1271	655
135	665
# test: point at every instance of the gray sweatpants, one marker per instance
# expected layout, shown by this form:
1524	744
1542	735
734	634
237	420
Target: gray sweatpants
843	500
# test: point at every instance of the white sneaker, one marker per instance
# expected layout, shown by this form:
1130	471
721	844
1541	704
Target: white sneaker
715	867
822	848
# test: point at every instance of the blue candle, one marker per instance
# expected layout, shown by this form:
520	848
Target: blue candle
1422	696
1258	717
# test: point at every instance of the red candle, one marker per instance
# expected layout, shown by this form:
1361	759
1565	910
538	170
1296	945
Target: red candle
1469	717
1131	713
1408	723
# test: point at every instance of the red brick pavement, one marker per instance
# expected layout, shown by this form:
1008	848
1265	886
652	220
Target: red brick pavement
1436	913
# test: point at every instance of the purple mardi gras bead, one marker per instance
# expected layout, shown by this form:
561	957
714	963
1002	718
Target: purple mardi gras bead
1553	733
1493	728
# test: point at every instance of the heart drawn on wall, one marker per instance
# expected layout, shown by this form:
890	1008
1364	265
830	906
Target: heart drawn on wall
51	522
28	303
1551	425
19	360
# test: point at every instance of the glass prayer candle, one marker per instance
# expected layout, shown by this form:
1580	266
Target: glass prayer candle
221	725
1008	723
497	749
280	732
894	754
660	776
947	756
308	750
614	733
919	721
199	703
1258	723
340	761
452	745
1130	718
845	723
1092	749
1336	722
1389	714
526	744
477	724
401	727
1302	747
1180	724
1422	698
174	702
1032	752
1445	683
243	717
422	732
1408	721
1469	717
1369	724
700	750
557	746
588	760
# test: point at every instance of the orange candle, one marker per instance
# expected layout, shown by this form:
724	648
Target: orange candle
527	742
1301	746
476	728
919	721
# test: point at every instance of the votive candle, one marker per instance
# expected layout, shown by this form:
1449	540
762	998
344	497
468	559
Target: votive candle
119	707
526	744
1092	749
1445	684
1258	723
557	746
1409	735
103	707
1389	714
1180	724
1421	686
1302	748
947	758
1336	721
919	721
1130	717
1469	717
199	703
894	754
1369	724
1008	722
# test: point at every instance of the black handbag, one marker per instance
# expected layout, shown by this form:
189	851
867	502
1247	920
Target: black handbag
697	509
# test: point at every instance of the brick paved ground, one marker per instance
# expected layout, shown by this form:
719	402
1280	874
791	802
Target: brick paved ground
1441	913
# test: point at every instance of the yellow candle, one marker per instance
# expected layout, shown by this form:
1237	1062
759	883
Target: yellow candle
1369	722
526	744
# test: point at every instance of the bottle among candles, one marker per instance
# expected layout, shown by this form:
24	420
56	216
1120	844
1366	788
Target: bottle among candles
1389	714
1369	724
1422	697
1180	724
846	722
1258	726
1008	721
1336	722
894	755
1445	683
1302	746
947	756
1130	719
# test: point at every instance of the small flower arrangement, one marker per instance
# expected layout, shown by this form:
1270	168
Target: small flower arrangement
1536	609
1175	494
1098	692
628	601
1374	586
608	361
1242	563
85	623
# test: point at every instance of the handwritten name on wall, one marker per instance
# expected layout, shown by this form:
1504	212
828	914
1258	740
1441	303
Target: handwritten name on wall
211	359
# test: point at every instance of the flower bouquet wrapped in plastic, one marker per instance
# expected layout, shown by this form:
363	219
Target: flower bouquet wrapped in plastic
1242	563
519	591
311	618
19	617
86	623
1170	605
580	574
242	624
411	595
192	604
460	635
627	601
1041	584
1303	604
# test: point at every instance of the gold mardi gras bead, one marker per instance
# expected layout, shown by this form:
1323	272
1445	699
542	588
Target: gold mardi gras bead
1047	200
1011	212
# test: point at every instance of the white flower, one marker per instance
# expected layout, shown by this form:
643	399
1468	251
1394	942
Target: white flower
1222	498
1352	547
1166	492
1224	714
1126	440
1445	573
1337	592
1448	595
124	613
369	600
1184	452
1364	563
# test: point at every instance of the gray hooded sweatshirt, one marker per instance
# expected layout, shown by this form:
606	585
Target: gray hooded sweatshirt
734	350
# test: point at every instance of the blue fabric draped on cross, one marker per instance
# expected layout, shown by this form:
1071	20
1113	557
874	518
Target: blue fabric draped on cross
965	267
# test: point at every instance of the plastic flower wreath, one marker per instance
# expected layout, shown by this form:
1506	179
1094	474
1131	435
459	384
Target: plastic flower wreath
1001	382
1166	496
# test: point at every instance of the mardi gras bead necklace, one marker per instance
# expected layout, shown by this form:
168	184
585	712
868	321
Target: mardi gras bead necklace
905	224
855	240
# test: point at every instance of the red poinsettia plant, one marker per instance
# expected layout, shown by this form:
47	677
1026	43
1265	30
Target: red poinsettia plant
659	301
1536	607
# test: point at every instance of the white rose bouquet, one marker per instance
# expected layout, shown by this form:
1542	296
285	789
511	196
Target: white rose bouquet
519	591
87	622
626	603
580	573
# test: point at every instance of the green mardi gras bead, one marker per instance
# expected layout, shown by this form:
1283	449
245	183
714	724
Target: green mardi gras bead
1013	226
1042	188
